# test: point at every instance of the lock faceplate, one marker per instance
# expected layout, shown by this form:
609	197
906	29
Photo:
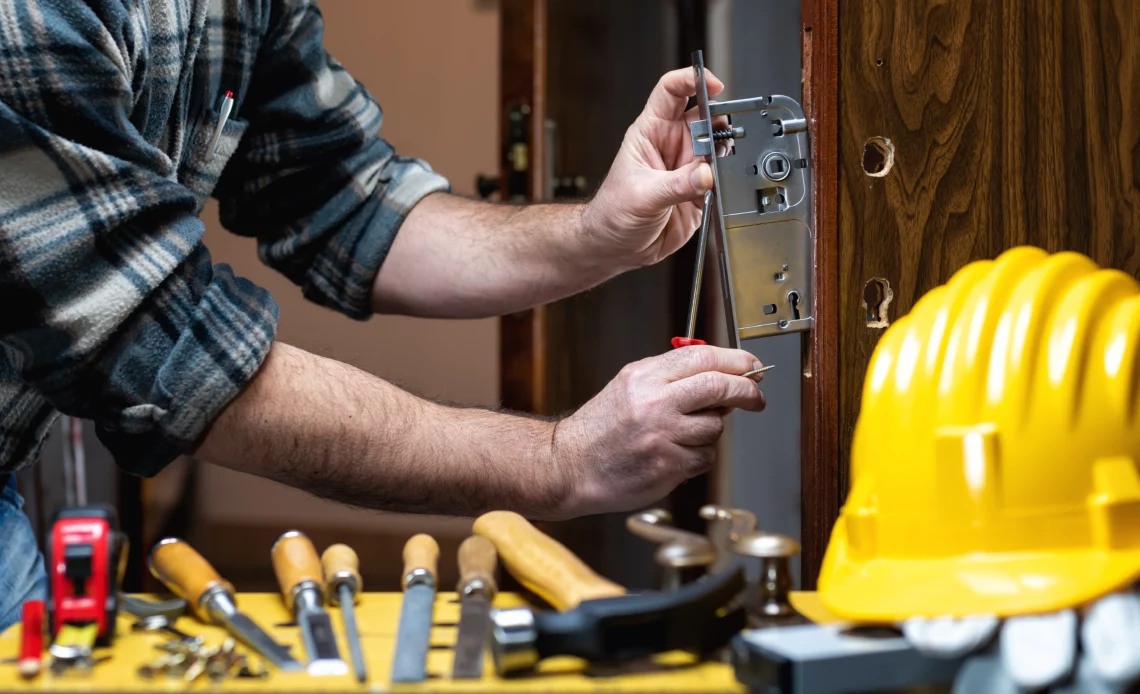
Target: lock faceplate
761	224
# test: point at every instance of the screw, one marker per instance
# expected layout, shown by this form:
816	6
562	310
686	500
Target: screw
783	324
734	133
160	623
761	370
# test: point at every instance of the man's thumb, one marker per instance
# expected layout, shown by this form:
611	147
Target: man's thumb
687	183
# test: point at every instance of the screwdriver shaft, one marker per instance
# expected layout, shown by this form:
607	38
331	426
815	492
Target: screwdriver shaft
699	270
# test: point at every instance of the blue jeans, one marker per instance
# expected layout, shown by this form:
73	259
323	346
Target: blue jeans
22	575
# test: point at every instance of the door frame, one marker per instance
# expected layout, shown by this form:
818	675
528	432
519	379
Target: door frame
819	463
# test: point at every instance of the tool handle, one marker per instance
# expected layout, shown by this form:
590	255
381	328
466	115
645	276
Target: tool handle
541	563
679	342
186	573
421	552
31	637
342	568
478	562
295	561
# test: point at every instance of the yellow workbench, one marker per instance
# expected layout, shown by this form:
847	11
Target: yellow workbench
377	616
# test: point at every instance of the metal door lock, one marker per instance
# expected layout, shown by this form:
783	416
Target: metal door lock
761	210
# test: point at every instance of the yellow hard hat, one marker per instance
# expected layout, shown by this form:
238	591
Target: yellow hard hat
994	463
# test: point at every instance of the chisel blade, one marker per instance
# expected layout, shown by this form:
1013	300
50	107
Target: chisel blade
474	630
253	636
352	634
320	644
412	638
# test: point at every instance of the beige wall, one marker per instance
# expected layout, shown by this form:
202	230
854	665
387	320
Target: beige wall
433	66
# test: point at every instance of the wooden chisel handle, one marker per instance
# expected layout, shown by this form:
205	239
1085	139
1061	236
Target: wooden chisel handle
342	568
186	573
542	564
421	554
477	565
295	561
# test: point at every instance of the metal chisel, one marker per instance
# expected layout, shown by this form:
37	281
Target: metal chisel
189	576
342	575
409	664
299	574
477	562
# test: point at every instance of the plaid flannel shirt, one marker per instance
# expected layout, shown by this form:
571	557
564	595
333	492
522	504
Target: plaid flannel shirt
111	308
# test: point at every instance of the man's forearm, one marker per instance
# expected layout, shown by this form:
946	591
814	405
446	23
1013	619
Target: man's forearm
459	258
338	432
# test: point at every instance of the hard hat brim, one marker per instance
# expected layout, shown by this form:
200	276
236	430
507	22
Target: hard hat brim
887	589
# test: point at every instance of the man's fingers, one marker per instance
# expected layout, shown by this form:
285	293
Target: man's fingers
713	389
697	461
700	429
689	361
686	184
672	92
718	122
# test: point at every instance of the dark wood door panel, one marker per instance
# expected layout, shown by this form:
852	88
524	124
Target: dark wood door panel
1009	123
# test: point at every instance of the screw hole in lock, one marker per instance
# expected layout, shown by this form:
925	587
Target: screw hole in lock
770	200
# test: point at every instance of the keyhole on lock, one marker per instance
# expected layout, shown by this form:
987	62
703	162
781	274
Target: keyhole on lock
794	303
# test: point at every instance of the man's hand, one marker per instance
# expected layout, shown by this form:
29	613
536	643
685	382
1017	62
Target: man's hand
332	430
653	427
457	258
649	204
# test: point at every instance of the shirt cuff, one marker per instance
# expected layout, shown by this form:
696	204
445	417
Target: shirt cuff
342	274
217	352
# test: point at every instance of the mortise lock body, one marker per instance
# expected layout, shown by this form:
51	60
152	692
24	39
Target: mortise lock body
761	209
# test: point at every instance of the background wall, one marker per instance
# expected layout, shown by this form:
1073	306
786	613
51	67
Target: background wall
433	66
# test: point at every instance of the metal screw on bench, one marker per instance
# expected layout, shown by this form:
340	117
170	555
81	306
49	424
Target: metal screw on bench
774	552
161	623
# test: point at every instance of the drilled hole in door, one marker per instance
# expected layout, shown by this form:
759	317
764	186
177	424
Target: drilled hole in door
878	156
877	296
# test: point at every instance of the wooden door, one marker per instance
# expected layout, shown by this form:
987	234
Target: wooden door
966	127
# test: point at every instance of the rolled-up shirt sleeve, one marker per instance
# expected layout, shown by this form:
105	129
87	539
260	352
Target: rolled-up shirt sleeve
113	310
312	178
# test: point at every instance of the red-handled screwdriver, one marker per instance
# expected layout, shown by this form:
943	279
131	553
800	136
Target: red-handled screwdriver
698	273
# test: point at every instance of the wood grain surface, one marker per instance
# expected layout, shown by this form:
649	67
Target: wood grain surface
1012	123
819	460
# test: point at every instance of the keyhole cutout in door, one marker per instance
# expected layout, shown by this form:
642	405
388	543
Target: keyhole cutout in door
877	296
